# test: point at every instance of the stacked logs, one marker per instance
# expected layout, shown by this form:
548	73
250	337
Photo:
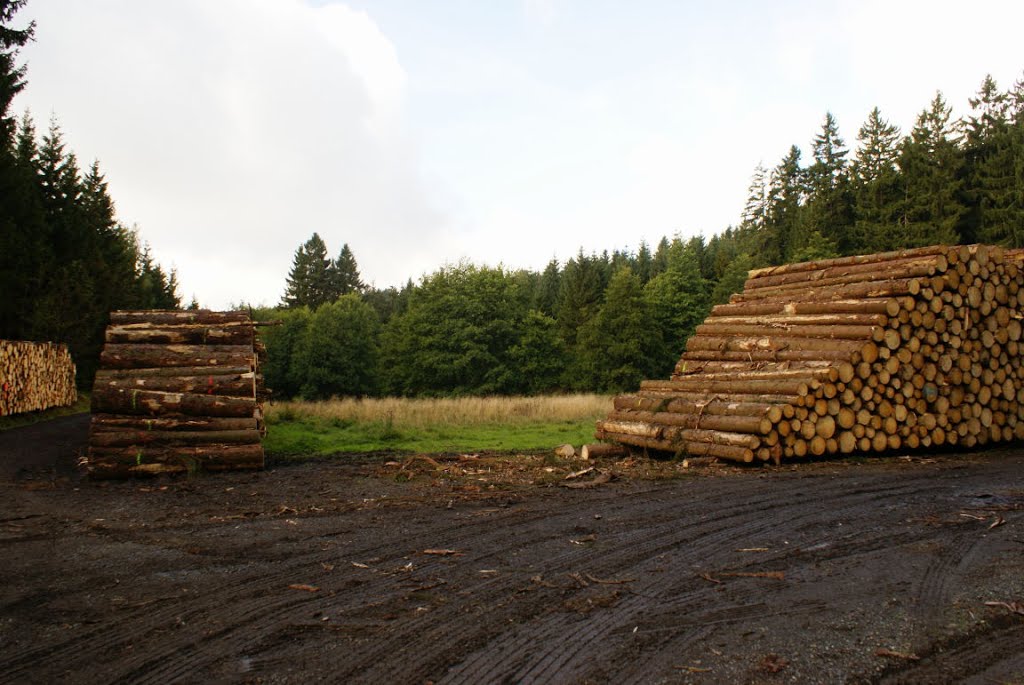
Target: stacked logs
177	392
902	350
35	376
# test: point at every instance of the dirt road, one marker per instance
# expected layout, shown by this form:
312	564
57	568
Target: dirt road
376	570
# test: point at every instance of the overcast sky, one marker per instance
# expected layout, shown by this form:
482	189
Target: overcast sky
505	132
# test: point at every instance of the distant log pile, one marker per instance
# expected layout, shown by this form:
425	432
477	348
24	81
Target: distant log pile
35	376
902	350
177	392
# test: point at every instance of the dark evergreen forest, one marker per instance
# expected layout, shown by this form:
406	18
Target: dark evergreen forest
65	260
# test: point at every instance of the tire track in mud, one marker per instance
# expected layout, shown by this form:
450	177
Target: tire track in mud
504	627
657	540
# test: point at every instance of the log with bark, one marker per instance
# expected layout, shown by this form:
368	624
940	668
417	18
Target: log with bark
35	376
911	349
177	392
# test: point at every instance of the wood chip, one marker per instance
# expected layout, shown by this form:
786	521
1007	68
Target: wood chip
304	587
443	552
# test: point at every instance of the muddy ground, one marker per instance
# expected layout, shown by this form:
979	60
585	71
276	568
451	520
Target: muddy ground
483	568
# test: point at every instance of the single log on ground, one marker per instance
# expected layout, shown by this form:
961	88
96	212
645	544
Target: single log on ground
599	450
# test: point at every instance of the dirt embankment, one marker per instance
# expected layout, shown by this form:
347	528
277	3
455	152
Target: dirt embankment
485	570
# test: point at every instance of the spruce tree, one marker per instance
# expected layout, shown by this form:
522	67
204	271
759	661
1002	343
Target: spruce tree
931	162
787	189
830	205
309	281
345	274
876	185
995	214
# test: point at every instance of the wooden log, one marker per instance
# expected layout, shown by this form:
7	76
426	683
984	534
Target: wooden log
238	333
156	403
709	406
894	268
879	258
174	317
784	386
130	438
150	356
889	307
120	462
233	385
108	374
654	422
121	422
603	450
713	328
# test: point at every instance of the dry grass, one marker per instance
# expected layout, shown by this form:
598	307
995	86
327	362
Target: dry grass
462	411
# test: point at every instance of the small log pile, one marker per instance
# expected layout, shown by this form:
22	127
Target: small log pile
177	392
35	376
902	350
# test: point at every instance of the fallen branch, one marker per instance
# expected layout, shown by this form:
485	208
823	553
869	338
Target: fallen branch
882	651
600	581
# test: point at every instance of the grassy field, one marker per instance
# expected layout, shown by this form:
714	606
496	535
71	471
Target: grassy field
471	424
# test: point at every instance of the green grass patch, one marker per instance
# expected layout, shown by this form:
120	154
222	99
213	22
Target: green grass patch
308	436
18	420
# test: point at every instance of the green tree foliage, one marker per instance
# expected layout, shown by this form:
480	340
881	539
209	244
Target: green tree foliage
830	205
992	152
310	281
456	336
679	299
338	353
345	273
877	189
787	189
733	278
281	372
930	164
621	345
538	358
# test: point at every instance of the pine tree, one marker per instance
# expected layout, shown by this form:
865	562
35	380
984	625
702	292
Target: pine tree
345	274
930	162
12	77
787	190
309	281
876	185
994	215
548	289
679	299
830	205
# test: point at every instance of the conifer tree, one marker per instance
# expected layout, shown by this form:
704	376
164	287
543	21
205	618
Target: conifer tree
995	215
345	274
876	185
830	207
309	281
786	192
621	345
930	162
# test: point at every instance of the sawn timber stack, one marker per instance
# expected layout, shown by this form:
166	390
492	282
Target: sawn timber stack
901	350
177	392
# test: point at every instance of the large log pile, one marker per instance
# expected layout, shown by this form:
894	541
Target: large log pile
902	350
176	392
35	376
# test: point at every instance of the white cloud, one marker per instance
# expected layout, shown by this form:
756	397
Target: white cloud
230	131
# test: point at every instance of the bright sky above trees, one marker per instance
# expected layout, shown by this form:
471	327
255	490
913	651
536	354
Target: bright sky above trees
419	133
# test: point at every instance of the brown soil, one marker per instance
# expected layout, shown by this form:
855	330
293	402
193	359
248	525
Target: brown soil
475	569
